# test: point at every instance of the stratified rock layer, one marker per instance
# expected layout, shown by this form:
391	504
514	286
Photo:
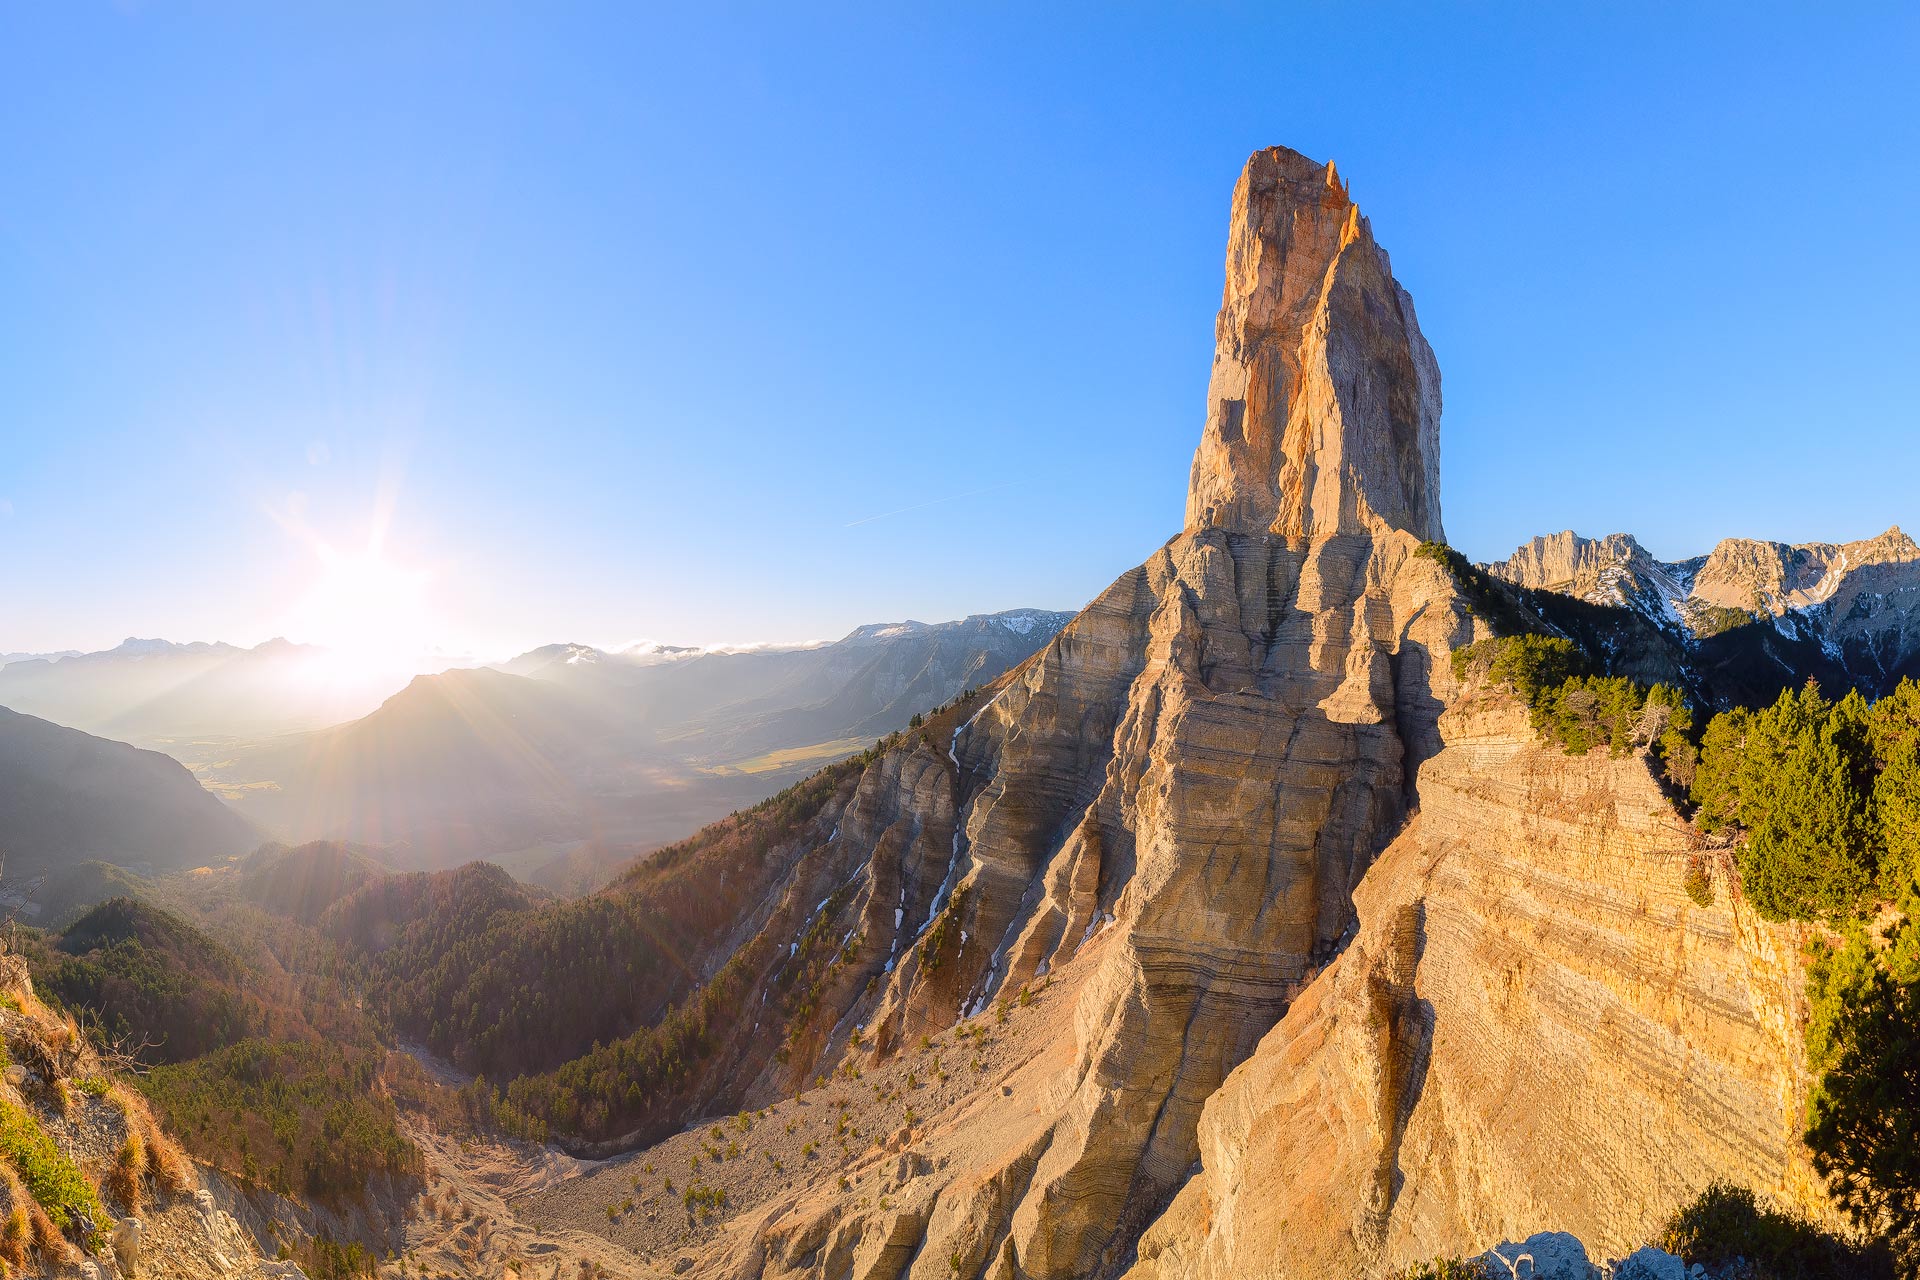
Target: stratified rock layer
1171	812
1198	770
1534	1024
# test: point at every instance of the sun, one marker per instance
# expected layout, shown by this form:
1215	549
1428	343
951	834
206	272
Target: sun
369	613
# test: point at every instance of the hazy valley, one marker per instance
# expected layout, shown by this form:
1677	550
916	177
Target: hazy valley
562	763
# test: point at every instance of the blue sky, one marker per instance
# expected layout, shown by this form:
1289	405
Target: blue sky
629	321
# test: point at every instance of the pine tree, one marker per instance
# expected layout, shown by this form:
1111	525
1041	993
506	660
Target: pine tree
1813	851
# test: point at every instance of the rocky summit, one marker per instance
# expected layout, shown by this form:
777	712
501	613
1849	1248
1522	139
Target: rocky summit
1271	947
1857	602
1323	411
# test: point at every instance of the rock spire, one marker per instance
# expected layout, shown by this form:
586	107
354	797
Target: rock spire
1323	410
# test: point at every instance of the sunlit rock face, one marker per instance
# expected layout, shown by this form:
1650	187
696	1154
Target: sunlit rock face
1199	770
1361	974
1533	1023
1214	752
1323	412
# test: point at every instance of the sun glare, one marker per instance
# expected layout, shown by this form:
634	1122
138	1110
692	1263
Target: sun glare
369	613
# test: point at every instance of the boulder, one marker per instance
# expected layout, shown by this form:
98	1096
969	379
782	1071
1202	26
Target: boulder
126	1242
1546	1255
1649	1263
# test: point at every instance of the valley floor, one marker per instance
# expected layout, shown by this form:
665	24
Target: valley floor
467	1221
498	1207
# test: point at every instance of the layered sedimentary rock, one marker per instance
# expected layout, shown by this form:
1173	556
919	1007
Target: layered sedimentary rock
1200	768
1214	753
1534	1024
1173	813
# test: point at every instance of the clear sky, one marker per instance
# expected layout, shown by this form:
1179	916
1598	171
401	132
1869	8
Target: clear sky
714	324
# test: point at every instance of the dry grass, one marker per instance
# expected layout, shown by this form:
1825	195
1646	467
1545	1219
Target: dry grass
16	1229
125	1181
163	1157
26	1226
47	1239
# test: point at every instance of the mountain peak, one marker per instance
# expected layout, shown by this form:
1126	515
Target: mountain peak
1894	544
1323	410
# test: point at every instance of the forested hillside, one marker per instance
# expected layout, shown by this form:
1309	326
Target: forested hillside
508	987
262	1072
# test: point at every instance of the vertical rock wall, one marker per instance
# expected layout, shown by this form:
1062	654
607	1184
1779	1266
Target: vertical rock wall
1534	1026
1208	759
1178	805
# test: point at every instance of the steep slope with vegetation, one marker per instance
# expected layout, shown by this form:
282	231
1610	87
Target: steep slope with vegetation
89	1178
264	1073
610	1015
1824	799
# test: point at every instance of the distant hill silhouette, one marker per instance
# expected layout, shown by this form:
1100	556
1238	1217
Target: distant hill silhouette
566	762
67	797
153	692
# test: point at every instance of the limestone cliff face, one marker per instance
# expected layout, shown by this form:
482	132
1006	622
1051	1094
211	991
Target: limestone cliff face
1211	756
1614	570
1197	771
1176	814
1772	577
1323	412
1533	1024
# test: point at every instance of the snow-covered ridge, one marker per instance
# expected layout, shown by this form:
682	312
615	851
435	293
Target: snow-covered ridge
1017	622
1859	602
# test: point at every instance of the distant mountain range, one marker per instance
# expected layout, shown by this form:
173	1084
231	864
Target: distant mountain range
7	658
566	761
156	693
563	762
1846	613
67	797
719	707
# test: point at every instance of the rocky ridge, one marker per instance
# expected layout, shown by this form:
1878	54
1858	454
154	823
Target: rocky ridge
1332	949
1858	602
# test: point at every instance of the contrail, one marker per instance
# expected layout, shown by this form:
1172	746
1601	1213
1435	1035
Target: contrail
918	506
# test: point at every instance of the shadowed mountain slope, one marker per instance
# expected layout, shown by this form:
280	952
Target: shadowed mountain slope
67	797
